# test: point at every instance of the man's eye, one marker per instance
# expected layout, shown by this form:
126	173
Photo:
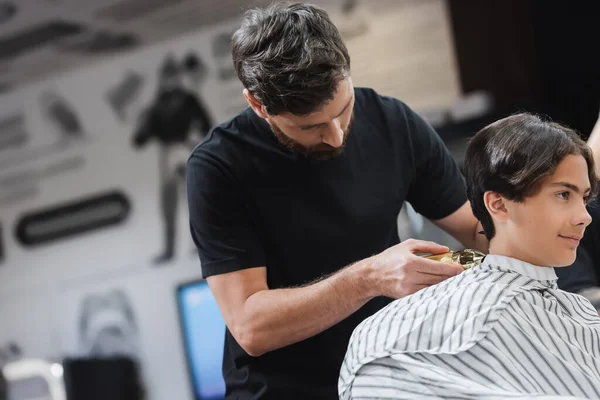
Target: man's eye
563	195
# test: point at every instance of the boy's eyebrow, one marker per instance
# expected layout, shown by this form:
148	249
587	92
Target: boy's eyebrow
570	186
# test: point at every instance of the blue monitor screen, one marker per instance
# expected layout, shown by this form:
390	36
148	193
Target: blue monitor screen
204	336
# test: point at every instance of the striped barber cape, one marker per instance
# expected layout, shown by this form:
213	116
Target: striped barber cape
502	330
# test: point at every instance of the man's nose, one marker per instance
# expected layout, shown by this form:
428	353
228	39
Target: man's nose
335	134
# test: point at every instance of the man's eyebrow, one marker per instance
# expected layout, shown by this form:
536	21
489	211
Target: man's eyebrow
343	111
570	186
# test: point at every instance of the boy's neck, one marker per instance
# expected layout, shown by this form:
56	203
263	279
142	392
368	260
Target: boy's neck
502	249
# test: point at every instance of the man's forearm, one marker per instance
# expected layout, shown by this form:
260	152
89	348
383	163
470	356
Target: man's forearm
280	317
481	242
474	239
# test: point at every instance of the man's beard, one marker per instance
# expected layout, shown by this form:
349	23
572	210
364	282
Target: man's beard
322	151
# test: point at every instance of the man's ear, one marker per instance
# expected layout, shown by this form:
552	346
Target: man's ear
253	102
496	206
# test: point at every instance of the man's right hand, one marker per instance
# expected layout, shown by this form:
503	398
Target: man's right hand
263	319
398	272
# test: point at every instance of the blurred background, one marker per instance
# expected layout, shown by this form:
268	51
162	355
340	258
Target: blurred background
100	289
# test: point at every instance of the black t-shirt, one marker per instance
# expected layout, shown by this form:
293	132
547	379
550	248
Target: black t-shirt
254	202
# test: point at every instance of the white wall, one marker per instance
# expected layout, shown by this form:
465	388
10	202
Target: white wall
41	288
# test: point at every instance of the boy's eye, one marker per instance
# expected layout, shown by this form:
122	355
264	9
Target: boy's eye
563	195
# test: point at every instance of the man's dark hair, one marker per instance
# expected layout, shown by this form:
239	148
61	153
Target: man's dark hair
512	157
290	56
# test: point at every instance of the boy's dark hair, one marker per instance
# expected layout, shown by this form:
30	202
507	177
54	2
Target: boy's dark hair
512	156
290	56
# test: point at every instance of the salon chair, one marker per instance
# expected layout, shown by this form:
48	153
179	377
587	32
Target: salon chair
34	379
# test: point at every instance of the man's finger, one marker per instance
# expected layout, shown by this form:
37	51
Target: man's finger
422	246
429	279
425	266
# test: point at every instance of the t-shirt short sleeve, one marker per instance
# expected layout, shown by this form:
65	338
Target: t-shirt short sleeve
220	223
438	186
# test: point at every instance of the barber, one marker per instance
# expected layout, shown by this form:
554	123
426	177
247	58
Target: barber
294	204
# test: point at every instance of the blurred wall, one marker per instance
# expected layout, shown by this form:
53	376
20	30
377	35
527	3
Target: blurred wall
80	207
406	51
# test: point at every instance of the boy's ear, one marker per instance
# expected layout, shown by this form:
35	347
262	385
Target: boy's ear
496	206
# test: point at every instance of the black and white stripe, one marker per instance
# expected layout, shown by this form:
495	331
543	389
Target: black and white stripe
502	330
